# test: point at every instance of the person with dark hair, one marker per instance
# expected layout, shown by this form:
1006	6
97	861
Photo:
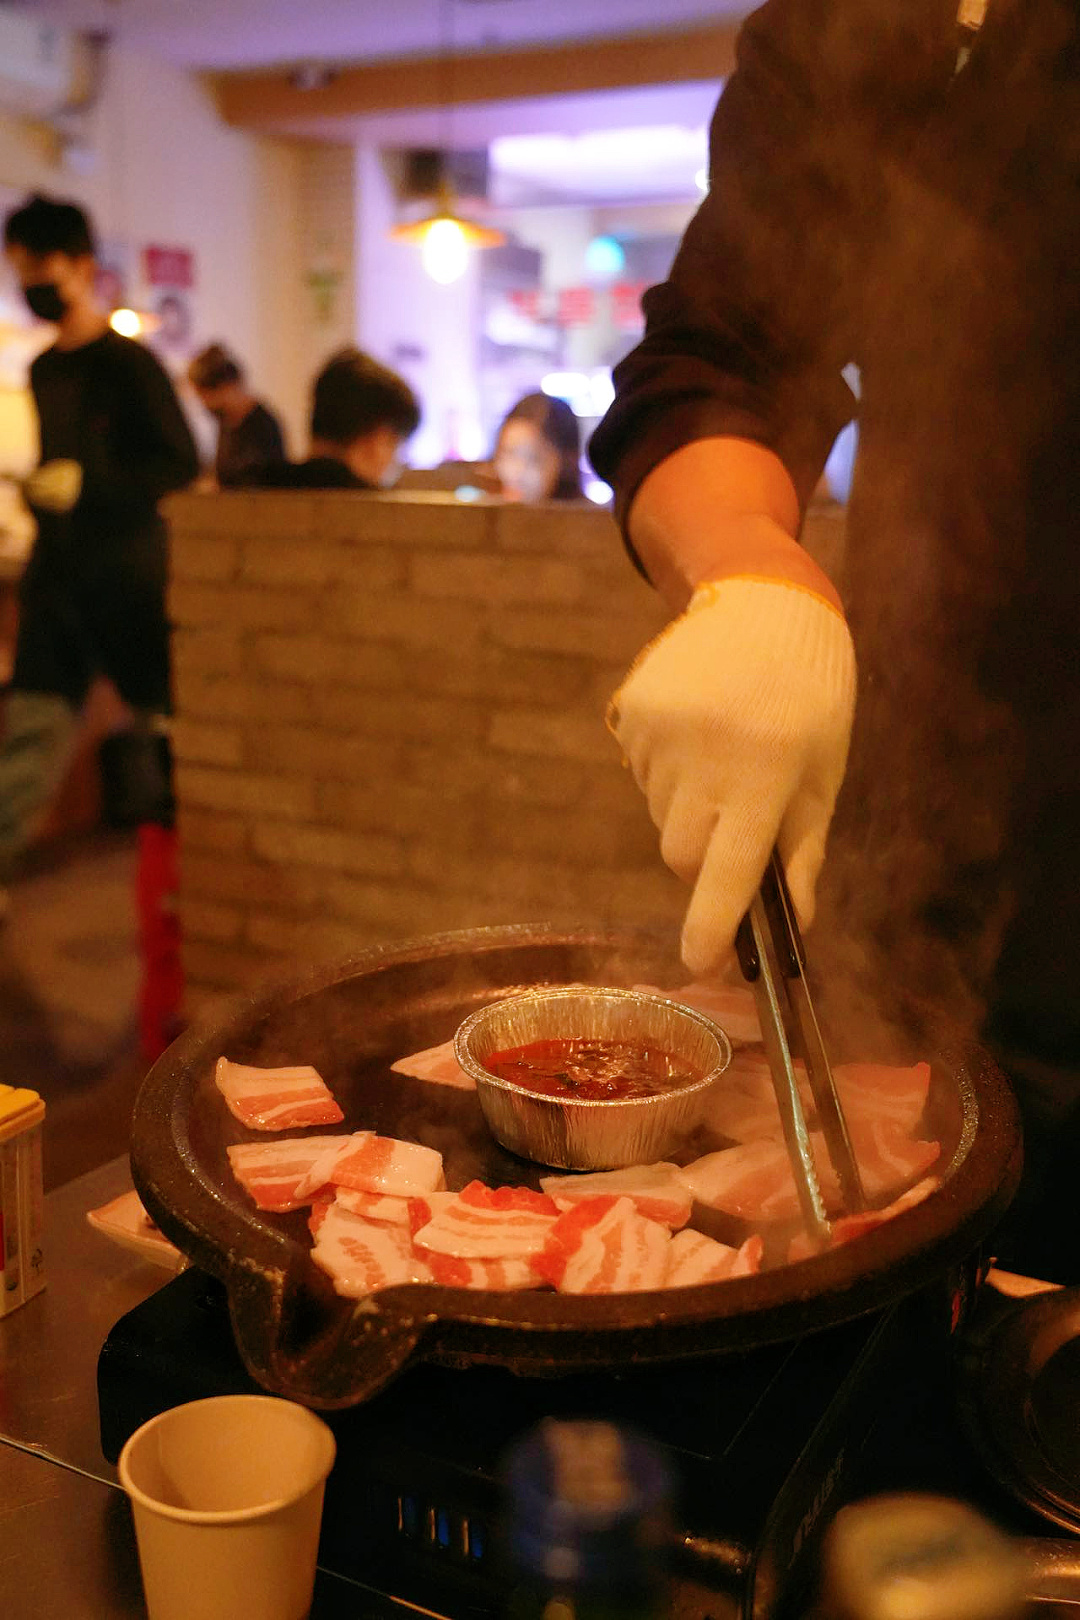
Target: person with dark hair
249	435
361	415
114	440
537	452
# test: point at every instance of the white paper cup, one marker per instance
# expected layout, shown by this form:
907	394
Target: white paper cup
227	1496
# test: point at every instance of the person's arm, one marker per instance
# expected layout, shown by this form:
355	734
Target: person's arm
159	453
747	339
736	720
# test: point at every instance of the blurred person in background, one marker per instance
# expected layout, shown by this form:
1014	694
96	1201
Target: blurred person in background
114	440
249	435
362	413
537	454
893	186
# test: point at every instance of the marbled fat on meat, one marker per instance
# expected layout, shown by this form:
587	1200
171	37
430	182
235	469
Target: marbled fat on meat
694	1258
360	1257
512	1275
273	1173
382	1164
374	1207
657	1191
276	1099
437	1063
484	1223
603	1246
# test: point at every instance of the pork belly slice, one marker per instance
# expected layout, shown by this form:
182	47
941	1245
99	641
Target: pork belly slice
729	1005
603	1246
451	1272
382	1164
361	1257
694	1258
878	1092
274	1173
276	1099
489	1223
853	1226
436	1063
743	1106
656	1191
374	1207
423	1210
754	1181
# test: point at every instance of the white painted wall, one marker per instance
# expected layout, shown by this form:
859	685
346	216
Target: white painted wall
398	308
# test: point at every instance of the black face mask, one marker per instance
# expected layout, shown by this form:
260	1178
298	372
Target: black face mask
45	301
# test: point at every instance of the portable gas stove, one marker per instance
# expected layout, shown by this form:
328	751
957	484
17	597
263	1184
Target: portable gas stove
765	1445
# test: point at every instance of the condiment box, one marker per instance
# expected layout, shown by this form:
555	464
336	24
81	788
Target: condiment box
22	1213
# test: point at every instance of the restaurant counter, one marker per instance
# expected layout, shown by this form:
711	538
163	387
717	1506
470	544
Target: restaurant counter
67	1544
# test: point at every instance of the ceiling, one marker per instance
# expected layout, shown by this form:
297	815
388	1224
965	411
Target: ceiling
223	34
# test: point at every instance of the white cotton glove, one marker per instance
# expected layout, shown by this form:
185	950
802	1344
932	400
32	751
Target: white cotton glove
736	723
54	487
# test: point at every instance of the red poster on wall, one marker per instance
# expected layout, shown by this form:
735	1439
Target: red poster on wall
626	305
169	267
577	306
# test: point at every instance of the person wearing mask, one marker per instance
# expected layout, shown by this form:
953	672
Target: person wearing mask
249	435
538	451
113	441
890	186
361	415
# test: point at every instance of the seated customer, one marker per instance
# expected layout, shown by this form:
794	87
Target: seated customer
249	437
538	451
361	415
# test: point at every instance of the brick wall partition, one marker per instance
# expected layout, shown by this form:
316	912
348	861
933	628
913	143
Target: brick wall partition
389	722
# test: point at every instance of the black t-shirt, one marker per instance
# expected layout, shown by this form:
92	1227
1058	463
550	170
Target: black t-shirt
110	406
318	472
870	204
244	452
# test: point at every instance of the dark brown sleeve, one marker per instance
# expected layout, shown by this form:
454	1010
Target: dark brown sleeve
750	334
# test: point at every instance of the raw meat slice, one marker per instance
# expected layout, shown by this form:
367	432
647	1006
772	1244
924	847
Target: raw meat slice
742	1106
694	1258
276	1099
382	1164
509	1274
853	1226
657	1191
320	1206
423	1210
887	1155
877	1091
436	1063
485	1223
752	1181
273	1172
374	1207
603	1246
729	1005
361	1257
319	1174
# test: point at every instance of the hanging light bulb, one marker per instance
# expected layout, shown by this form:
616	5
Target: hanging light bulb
128	322
445	238
444	250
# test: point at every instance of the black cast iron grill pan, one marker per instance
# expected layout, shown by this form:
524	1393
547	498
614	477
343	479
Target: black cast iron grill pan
352	1021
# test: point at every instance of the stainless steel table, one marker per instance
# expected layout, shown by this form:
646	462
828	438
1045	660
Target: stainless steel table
67	1545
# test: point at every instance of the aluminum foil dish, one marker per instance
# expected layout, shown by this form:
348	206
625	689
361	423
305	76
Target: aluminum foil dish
585	1133
352	1022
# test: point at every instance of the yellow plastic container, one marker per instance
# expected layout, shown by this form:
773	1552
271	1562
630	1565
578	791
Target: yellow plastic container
22	1204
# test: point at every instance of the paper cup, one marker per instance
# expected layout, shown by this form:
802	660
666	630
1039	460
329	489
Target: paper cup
227	1496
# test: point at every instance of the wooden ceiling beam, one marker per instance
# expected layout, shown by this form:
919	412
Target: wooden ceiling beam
269	98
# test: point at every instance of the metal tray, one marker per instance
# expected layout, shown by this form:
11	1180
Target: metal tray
352	1021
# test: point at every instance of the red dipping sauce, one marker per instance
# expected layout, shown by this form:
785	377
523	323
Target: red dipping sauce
592	1070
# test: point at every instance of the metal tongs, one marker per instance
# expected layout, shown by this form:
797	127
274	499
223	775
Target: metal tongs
773	960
